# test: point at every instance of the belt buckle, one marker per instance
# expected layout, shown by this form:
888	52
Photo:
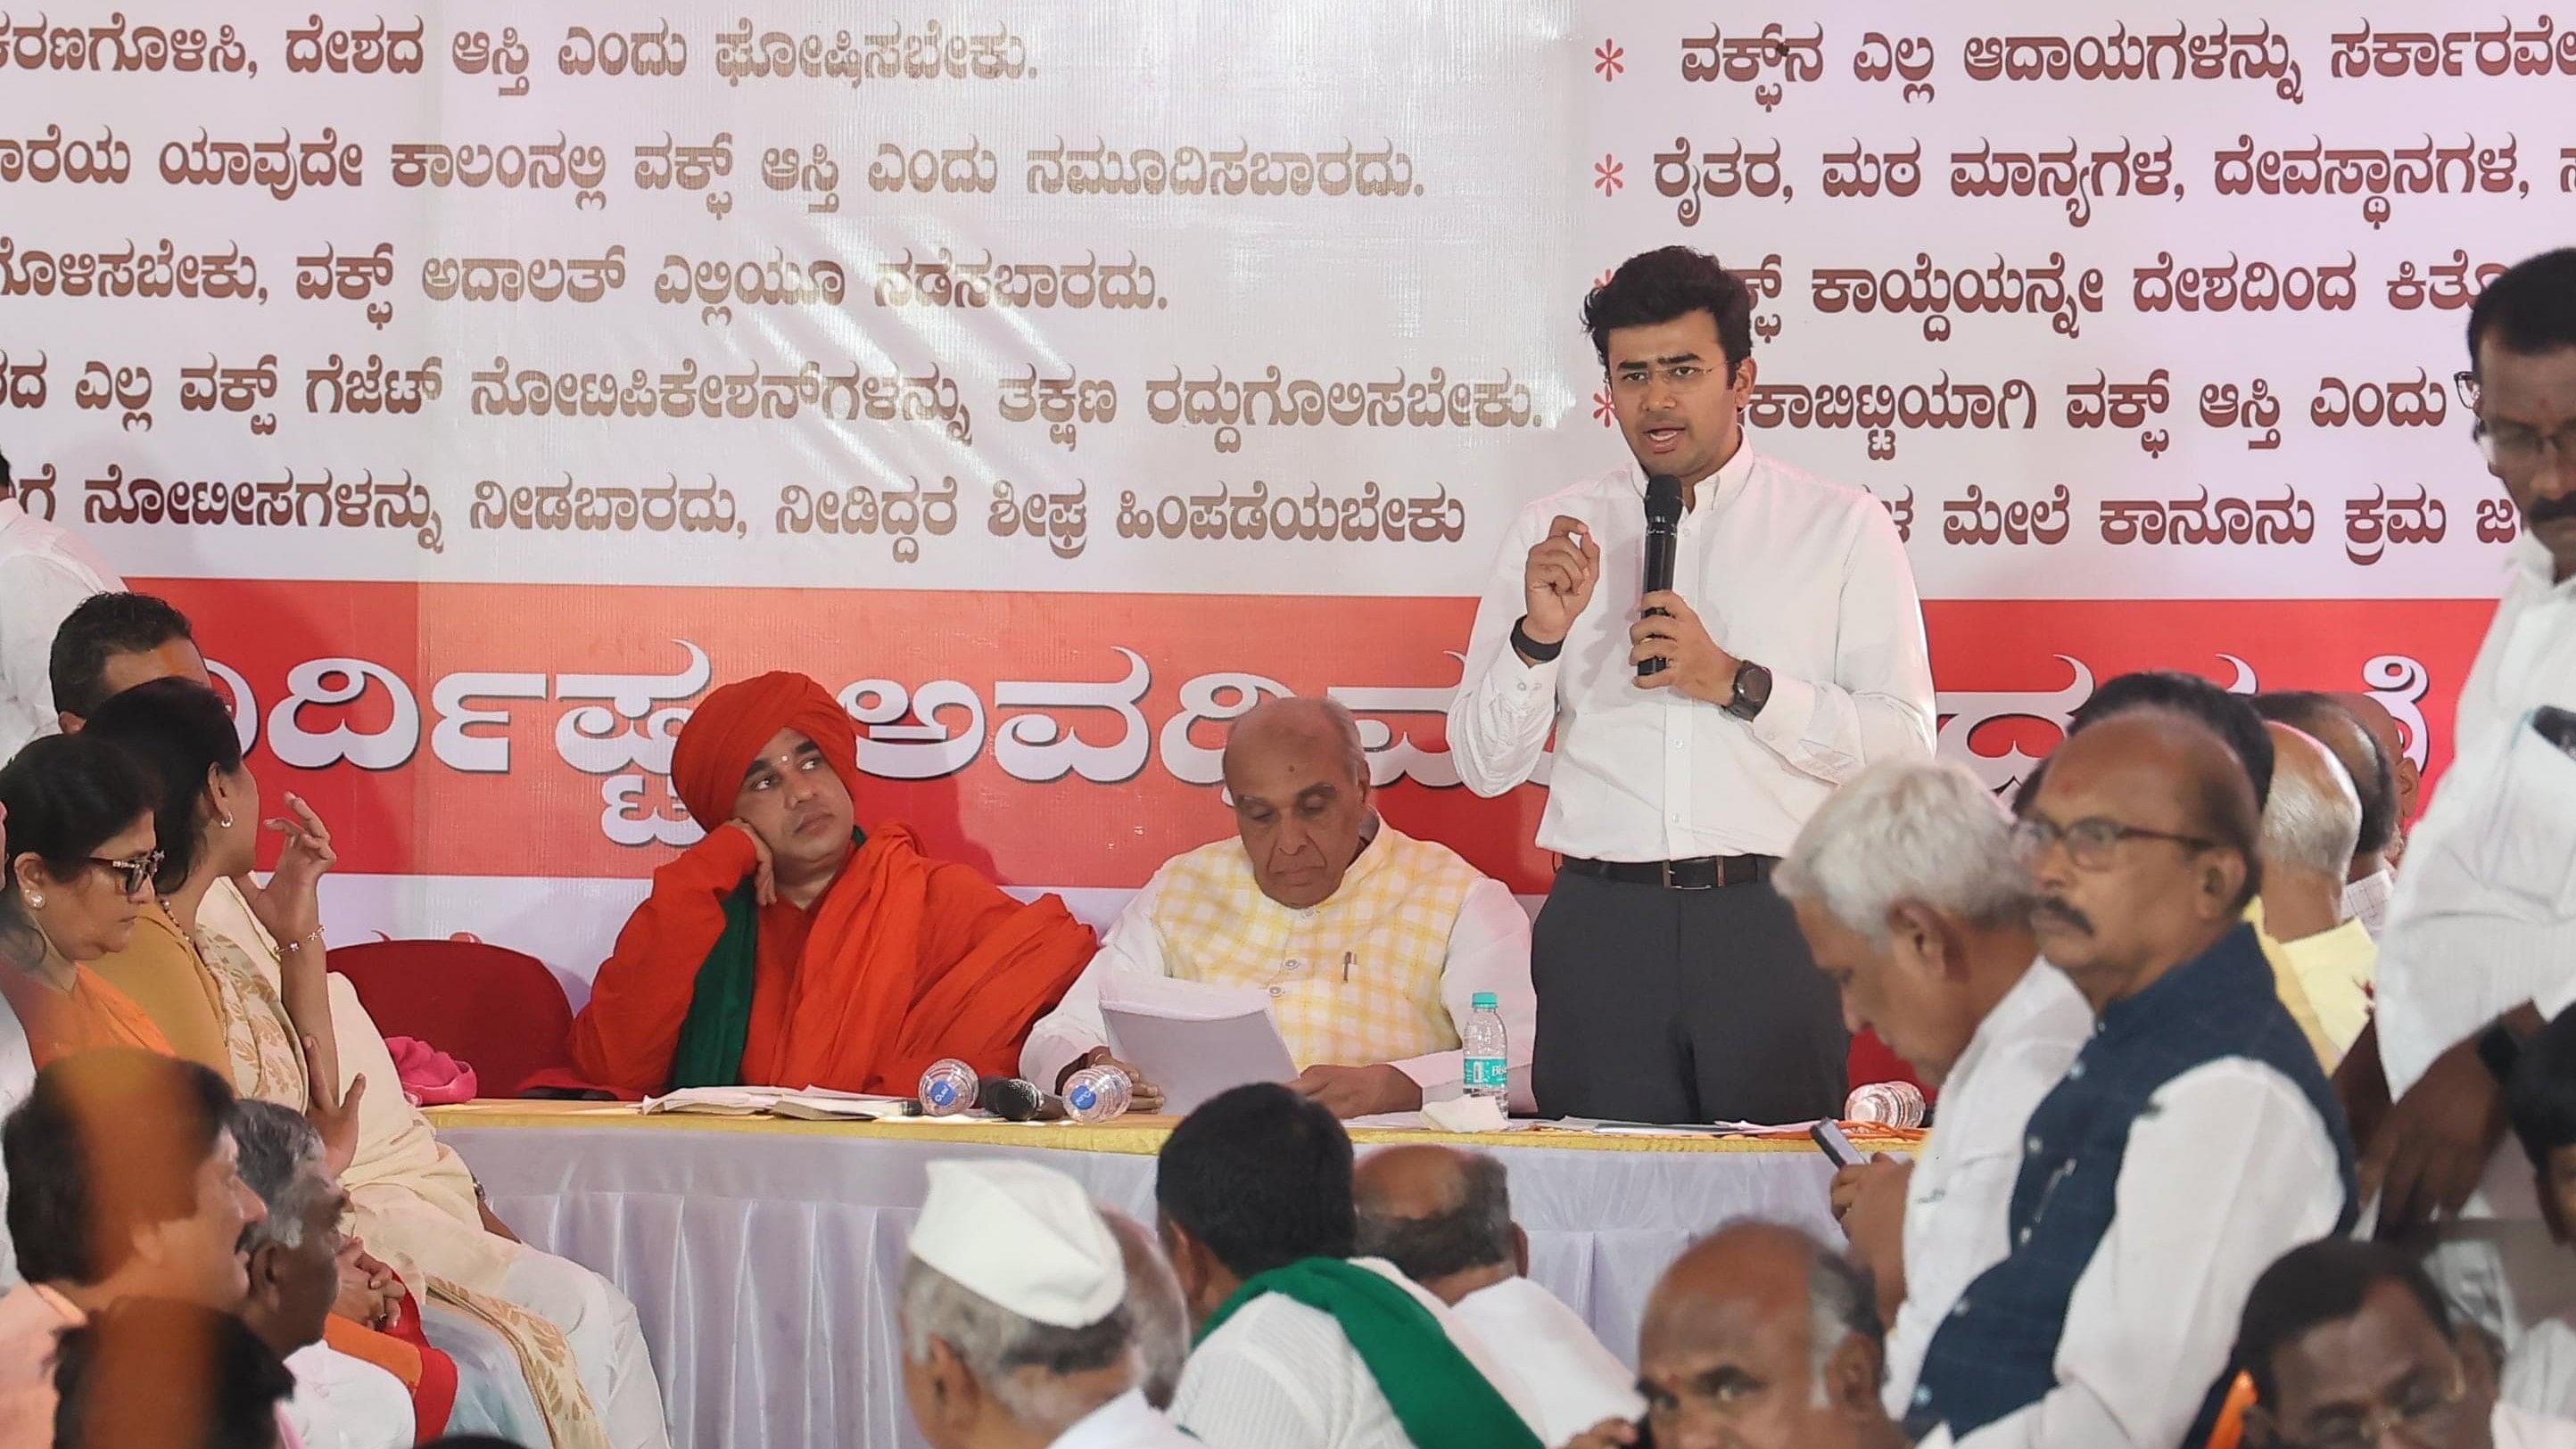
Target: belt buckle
1673	885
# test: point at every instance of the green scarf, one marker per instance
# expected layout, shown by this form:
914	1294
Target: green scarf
711	1035
1440	1398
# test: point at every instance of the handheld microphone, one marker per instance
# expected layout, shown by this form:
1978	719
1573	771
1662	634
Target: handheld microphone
1015	1099
1663	535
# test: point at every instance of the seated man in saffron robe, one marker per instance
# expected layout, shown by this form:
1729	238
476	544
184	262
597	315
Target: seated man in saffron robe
789	948
1373	946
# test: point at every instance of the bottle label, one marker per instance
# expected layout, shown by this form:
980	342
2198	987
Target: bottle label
1484	1073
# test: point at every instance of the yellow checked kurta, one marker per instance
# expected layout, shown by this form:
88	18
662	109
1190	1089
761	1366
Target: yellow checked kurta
1391	918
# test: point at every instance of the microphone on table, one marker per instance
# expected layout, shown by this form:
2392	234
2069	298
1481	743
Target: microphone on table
1016	1099
1663	536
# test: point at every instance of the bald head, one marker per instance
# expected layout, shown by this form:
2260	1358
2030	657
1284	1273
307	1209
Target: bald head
1299	778
1758	1335
1154	1303
1441	1215
2313	820
2153	851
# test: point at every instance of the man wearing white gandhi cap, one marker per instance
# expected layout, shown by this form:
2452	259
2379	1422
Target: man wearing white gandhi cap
1016	1329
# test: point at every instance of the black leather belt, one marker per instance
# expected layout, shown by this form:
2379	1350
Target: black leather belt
1705	873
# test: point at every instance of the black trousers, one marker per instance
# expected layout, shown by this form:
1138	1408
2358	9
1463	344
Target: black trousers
1659	1005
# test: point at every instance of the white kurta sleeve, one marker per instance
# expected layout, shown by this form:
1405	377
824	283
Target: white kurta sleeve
1500	717
1133	946
1879	705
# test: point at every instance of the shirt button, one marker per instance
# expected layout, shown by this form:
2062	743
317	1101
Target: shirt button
1959	1309
1278	990
2025	1235
2032	1145
1922	1395
2075	1073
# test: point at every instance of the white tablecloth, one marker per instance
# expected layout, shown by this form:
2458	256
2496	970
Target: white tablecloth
764	1256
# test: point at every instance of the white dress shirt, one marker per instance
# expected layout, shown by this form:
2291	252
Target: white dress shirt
2515	1428
1804	577
1958	1201
1553	1356
44	574
2484	918
1125	1422
1280	1375
2366	900
342	1402
1489	950
2227	1169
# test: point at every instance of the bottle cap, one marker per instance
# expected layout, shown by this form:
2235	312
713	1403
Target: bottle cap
1484	1001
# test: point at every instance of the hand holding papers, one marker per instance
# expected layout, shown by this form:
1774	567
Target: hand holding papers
1194	1040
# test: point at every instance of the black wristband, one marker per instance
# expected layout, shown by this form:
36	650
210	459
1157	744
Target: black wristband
1530	648
2498	1049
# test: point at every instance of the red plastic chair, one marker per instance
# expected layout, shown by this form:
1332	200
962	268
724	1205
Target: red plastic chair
498	1011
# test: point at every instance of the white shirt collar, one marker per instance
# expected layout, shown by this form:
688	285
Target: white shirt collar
1718	487
1123	1422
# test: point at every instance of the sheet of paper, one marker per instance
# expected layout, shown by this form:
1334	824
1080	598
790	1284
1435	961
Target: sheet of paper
1197	1043
715	1101
836	1107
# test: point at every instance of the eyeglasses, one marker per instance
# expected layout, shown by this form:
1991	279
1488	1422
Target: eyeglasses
2511	447
2425	1413
2090	842
137	872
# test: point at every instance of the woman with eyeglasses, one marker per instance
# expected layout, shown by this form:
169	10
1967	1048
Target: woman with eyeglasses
81	855
218	1008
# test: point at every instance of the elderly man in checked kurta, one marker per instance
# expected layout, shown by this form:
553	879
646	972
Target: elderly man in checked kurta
1372	945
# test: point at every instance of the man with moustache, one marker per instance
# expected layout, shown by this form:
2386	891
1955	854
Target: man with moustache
2480	946
1672	983
2192	1141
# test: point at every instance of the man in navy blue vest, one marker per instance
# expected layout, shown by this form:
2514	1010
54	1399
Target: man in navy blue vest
2193	1141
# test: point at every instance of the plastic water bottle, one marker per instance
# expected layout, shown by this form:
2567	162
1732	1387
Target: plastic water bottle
1096	1094
1890	1104
1488	1059
948	1088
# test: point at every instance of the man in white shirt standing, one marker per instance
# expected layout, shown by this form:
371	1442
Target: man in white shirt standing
1016	1325
1910	898
1445	1218
1373	946
1788	653
44	574
2192	1142
2349	1346
1302	1346
2480	946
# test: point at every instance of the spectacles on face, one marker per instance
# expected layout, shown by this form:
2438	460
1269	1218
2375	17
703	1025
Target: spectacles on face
133	873
2510	447
2426	1412
2091	843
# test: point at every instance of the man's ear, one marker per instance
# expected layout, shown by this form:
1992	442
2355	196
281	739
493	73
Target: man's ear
1520	1250
1852	1377
1919	931
954	1394
267	1262
68	722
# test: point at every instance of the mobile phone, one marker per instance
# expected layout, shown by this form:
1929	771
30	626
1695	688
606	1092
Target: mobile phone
2556	726
1836	1147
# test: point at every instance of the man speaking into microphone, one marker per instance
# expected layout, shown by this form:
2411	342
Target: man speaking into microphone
1697	724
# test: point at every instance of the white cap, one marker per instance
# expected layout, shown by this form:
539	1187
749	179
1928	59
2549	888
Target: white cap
1023	1237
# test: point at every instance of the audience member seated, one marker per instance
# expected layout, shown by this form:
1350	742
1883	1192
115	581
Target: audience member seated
2232	718
77	817
2369	880
2350	1347
124	1183
2371	904
171	1375
790	948
338	1402
2540	1101
1758	1337
1910	897
1016	1325
1444	1218
2309	825
2193	1140
240	971
45	570
1372	945
1154	1302
1300	1346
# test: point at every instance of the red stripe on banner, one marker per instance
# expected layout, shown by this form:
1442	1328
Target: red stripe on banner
1060	764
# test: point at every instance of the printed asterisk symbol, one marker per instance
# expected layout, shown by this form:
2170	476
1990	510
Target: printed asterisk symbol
1601	408
1609	59
1605	174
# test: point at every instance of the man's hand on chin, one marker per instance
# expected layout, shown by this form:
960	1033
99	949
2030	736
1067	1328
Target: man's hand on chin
1359	1091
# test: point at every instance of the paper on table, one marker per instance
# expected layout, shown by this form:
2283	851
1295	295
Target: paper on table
716	1101
1194	1040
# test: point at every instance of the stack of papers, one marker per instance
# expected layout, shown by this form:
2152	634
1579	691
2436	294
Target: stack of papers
816	1104
1191	1039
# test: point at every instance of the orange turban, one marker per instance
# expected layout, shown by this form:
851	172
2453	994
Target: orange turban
728	729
